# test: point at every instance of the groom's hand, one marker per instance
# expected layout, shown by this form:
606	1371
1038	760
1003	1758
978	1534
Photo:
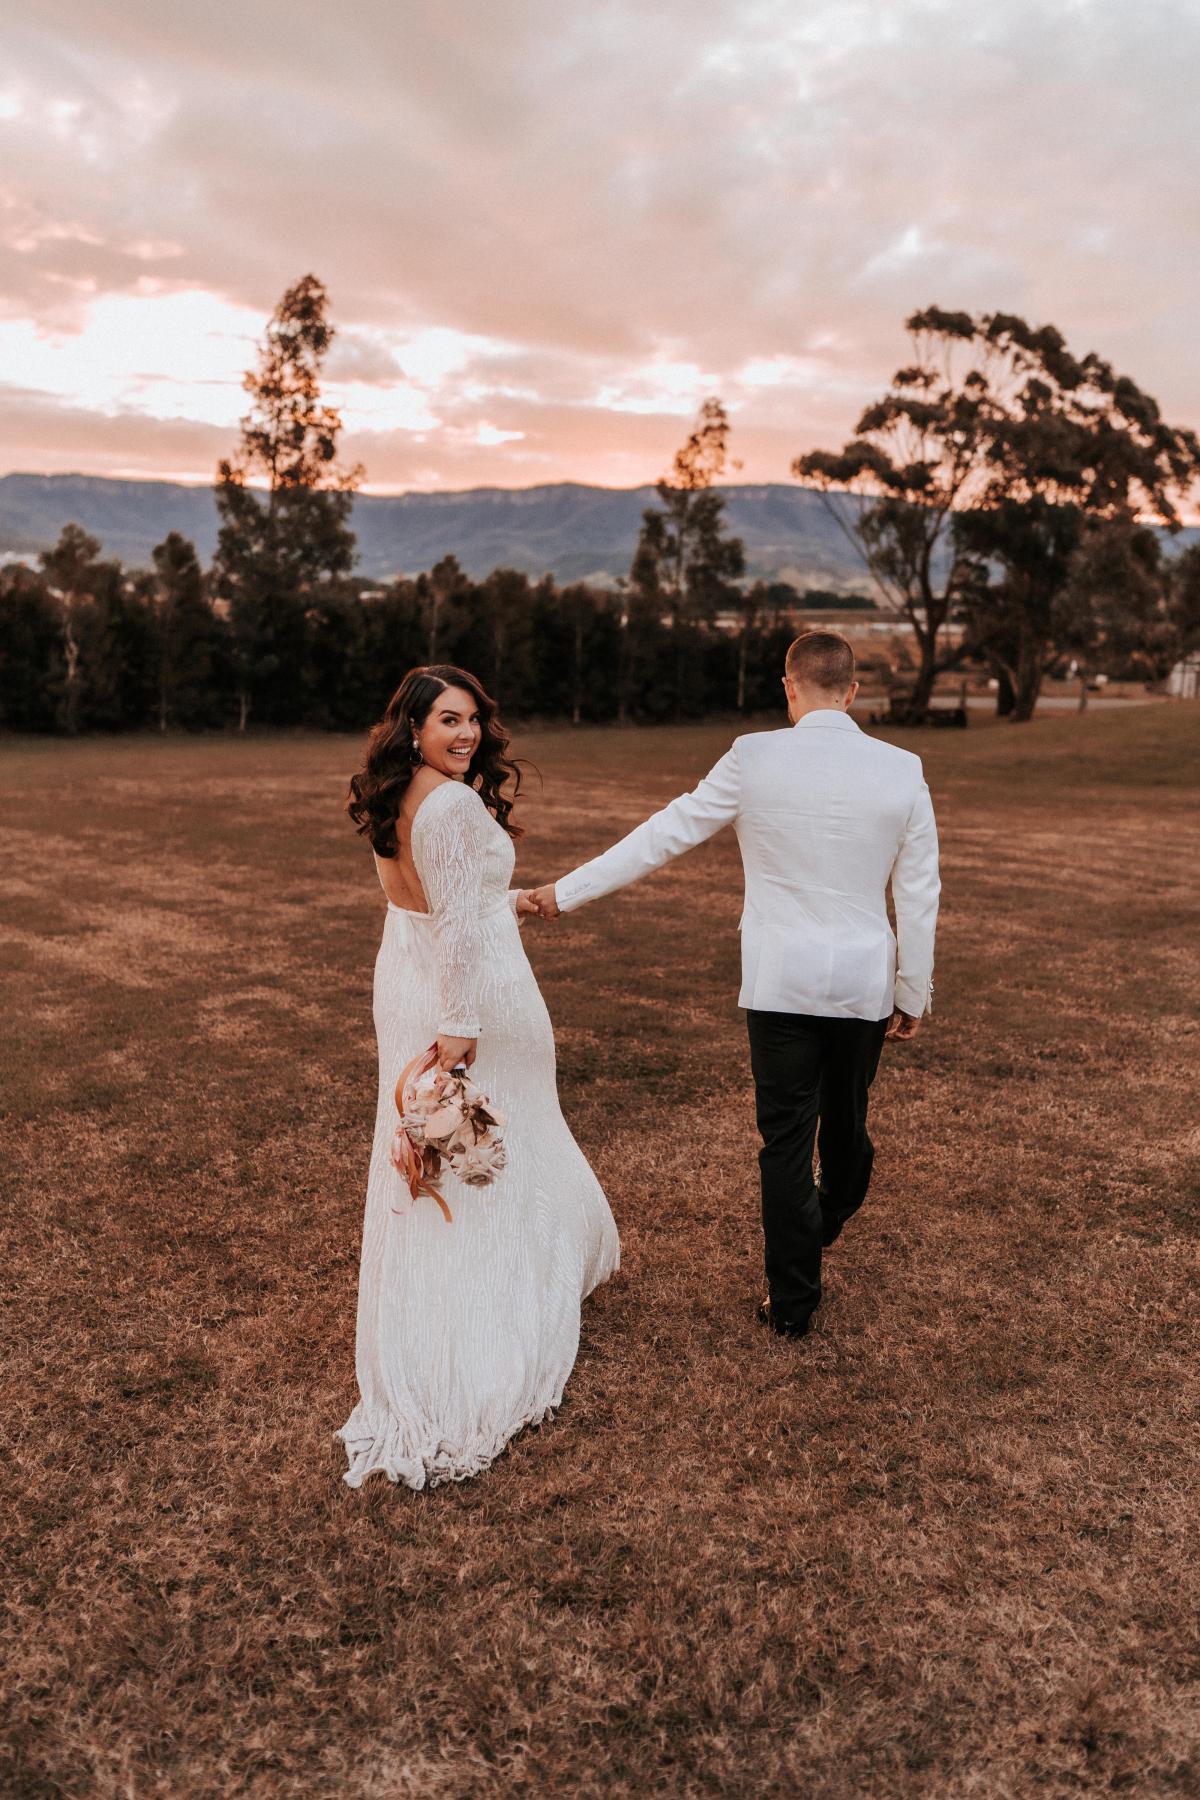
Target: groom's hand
903	1027
544	901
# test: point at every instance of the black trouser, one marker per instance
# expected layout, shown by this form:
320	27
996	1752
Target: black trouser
809	1072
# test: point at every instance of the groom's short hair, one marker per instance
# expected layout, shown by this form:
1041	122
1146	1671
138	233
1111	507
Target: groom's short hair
821	659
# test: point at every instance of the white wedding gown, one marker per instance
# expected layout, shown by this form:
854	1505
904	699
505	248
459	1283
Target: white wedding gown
468	1331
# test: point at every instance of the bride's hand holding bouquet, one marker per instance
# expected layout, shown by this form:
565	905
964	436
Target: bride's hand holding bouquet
446	1121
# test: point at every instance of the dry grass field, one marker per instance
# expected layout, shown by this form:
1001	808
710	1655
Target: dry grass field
944	1547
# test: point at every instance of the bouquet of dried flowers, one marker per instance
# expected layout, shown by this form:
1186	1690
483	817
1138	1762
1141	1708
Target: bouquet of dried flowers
446	1121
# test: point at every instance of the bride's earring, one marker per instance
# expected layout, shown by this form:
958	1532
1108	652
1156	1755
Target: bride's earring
416	752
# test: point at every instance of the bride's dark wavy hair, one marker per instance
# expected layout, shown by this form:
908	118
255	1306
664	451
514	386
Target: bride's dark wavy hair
389	765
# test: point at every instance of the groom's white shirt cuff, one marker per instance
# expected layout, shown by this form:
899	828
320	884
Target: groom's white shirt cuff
680	826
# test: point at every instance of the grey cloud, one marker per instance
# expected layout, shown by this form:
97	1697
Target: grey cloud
354	357
43	433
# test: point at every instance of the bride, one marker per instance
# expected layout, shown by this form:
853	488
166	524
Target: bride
466	1331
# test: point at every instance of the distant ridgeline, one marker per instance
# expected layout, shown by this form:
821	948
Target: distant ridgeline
567	530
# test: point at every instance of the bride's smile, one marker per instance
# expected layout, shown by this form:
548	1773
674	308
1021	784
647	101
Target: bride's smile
450	736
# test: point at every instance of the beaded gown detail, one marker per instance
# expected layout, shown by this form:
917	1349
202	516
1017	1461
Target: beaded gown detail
468	1331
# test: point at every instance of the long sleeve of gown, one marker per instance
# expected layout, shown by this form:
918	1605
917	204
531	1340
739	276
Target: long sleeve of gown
448	845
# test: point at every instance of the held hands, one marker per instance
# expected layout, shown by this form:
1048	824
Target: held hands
544	902
903	1027
538	902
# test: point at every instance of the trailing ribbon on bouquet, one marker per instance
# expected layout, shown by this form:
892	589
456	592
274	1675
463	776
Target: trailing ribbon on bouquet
446	1121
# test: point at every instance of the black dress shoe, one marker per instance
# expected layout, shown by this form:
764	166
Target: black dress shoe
781	1327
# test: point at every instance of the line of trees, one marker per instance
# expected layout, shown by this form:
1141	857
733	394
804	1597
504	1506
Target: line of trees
1003	487
90	646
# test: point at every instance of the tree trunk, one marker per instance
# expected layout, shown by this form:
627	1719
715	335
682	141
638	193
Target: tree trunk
922	690
1028	685
577	681
743	647
1006	693
1083	690
243	707
73	681
623	670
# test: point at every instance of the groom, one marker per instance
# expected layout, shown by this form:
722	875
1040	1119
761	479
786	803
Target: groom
825	817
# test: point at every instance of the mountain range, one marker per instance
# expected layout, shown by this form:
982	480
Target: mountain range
565	529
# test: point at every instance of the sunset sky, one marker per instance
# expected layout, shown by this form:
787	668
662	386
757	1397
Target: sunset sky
549	228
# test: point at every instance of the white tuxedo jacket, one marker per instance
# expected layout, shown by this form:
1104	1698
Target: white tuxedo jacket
825	817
